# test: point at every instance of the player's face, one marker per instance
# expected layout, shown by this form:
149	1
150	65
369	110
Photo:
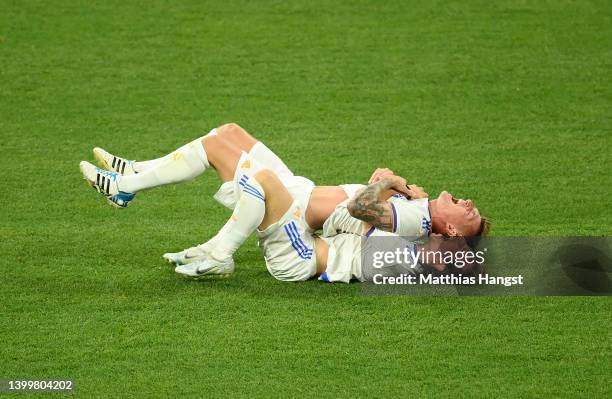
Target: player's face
460	213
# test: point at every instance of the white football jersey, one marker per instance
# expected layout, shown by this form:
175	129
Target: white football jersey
411	218
343	233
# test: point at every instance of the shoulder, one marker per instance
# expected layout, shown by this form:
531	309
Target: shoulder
412	217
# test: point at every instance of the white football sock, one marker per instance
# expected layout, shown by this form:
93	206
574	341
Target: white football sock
247	216
143	166
181	165
209	245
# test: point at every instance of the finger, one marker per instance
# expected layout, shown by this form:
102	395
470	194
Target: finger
404	190
375	171
380	174
374	179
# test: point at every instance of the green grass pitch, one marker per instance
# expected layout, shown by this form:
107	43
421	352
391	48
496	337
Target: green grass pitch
509	103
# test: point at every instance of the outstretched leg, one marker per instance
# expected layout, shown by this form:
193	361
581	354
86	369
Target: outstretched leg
186	163
231	133
221	149
183	164
225	142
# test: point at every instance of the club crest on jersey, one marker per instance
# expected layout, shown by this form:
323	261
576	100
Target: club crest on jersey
297	213
246	164
426	224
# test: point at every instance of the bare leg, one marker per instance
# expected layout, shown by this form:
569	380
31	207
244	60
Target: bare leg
222	155
224	148
278	198
257	150
237	136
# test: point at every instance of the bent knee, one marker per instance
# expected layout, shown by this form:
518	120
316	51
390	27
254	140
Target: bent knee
230	129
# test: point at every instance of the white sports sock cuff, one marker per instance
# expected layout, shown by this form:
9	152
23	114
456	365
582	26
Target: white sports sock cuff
269	159
225	195
199	146
257	147
213	132
250	186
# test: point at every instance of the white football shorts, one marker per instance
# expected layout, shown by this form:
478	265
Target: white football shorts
289	247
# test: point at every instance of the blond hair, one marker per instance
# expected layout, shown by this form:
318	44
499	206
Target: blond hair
483	231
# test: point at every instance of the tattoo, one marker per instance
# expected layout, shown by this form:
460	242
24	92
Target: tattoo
368	206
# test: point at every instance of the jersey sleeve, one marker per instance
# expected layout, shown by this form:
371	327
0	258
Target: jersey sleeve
411	218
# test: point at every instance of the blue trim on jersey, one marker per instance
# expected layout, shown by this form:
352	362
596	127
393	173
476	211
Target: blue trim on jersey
296	241
324	277
394	217
426	224
369	233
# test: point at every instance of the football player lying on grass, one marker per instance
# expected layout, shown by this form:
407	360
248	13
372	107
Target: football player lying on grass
236	156
266	207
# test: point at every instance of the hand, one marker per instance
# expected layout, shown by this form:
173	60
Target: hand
380	174
416	192
398	184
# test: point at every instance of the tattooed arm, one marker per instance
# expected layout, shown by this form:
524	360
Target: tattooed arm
371	204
